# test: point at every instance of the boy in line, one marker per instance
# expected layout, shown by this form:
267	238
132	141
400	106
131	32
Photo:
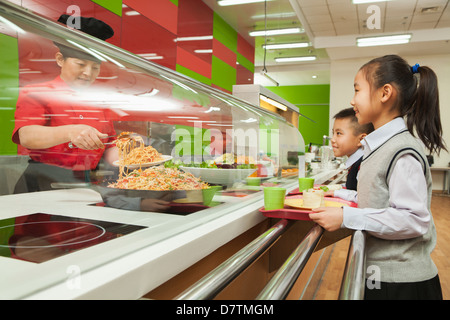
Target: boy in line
346	141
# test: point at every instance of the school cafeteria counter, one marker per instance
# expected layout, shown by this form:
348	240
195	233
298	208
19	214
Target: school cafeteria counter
147	250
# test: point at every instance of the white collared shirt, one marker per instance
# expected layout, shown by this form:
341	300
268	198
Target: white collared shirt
346	194
354	157
407	215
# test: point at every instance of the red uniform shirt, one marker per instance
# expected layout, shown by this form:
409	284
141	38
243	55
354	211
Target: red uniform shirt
54	103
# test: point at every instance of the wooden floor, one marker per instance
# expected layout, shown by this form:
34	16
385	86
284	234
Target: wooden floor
440	208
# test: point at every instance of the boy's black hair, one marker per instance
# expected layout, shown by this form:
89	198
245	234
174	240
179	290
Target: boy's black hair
349	113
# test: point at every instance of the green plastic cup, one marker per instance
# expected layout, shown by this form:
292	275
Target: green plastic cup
253	181
208	194
274	198
305	184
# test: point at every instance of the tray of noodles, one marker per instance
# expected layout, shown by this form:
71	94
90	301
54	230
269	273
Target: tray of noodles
154	182
157	182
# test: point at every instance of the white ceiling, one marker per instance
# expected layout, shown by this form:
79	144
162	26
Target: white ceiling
332	27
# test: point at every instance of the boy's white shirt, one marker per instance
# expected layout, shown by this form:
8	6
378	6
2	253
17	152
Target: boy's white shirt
407	215
354	157
349	195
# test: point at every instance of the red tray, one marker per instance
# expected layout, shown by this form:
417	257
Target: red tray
298	214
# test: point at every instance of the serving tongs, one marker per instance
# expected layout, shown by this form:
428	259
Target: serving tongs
130	135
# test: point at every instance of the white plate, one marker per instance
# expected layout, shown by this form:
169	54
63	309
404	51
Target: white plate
144	165
219	176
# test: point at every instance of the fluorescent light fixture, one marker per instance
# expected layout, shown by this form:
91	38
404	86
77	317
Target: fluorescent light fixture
383	40
367	1
296	59
275	32
282	15
287	45
249	120
42	60
194	38
132	13
182	117
203	51
202	121
150	56
236	2
273	102
211	109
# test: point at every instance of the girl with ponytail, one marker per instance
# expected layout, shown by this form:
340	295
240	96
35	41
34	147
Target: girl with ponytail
394	182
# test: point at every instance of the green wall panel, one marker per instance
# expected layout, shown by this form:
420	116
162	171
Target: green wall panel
222	75
243	61
114	6
9	73
193	74
307	94
224	33
314	132
313	102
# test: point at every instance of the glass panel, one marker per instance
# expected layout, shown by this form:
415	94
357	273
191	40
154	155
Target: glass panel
68	115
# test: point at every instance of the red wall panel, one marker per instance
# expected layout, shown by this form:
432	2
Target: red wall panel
246	49
193	62
141	35
153	30
223	53
162	12
195	18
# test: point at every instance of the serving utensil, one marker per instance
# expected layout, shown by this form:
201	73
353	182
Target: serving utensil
130	135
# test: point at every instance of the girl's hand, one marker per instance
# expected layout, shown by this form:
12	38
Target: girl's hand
329	193
329	218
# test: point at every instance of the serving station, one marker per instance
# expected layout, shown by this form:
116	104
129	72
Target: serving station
89	240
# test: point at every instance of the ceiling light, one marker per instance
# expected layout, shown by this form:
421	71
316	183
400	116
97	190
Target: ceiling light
150	56
273	102
203	50
282	15
132	13
296	59
195	38
287	45
235	2
367	1
275	32
383	40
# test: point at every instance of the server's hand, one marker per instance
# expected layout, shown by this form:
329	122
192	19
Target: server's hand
86	137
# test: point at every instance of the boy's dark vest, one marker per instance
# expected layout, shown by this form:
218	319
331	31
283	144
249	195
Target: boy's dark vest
352	182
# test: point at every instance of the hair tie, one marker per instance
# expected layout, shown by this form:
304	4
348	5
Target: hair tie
415	68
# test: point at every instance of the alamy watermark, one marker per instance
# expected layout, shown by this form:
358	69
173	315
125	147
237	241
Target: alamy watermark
374	20
73	281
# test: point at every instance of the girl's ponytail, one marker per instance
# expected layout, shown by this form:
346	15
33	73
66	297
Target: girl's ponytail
423	114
